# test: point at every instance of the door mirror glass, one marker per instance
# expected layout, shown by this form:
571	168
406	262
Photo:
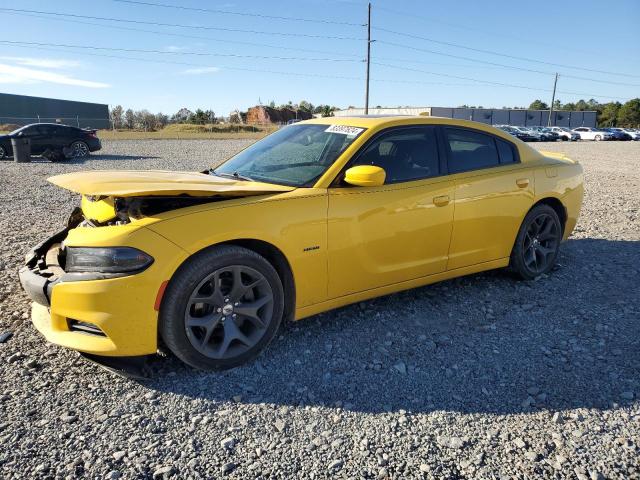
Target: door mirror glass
365	176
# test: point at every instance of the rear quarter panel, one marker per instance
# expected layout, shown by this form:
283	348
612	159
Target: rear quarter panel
563	179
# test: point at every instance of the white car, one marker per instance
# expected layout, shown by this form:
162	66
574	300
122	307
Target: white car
589	133
566	133
634	132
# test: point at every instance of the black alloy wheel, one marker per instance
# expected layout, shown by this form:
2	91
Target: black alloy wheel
537	244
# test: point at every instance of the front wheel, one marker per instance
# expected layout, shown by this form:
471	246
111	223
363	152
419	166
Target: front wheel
537	244
3	153
222	308
597	138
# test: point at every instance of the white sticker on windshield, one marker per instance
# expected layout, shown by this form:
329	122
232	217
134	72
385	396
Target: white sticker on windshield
344	130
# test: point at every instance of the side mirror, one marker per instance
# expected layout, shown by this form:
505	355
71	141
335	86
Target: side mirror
365	176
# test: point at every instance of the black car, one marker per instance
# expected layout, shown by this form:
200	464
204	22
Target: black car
53	140
522	135
618	134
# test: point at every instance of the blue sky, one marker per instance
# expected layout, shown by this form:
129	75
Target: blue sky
210	67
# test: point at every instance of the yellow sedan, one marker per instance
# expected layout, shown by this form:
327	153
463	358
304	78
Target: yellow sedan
318	215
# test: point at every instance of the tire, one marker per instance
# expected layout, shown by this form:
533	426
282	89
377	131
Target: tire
3	154
597	138
79	149
232	323
537	243
564	139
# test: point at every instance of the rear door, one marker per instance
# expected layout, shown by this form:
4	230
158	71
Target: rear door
492	195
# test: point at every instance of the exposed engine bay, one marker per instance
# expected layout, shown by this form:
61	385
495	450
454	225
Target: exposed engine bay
100	211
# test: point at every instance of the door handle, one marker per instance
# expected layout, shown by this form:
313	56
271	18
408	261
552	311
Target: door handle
522	182
441	201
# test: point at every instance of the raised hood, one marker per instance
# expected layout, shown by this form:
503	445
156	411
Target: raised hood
134	183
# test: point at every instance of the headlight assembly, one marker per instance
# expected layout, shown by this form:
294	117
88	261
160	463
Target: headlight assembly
106	260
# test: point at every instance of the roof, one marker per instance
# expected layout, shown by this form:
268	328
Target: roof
375	121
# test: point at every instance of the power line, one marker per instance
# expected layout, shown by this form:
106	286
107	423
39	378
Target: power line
489	82
221	67
243	14
500	65
491	52
183	35
199	27
165	52
479	30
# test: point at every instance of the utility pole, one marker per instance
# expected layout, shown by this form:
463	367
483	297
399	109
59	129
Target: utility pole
553	99
366	95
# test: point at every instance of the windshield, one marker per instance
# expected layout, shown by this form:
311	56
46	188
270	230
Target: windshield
296	155
17	130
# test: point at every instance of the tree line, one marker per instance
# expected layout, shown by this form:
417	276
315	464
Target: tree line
145	120
611	114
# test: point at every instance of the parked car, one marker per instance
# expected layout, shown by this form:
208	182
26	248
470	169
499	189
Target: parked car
522	135
566	134
590	133
58	141
536	135
618	133
315	216
635	133
546	134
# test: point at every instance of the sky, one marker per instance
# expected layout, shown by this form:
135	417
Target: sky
227	55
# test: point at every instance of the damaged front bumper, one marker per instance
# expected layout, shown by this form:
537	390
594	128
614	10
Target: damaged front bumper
38	278
94	313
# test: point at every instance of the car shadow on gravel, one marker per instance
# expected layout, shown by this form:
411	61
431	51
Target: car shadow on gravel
485	343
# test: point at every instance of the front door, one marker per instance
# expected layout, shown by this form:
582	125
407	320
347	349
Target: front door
400	231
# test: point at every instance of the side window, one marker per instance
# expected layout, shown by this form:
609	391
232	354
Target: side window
470	150
506	152
405	154
44	130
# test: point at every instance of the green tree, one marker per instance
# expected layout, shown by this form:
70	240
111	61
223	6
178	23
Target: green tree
629	114
609	114
538	105
305	106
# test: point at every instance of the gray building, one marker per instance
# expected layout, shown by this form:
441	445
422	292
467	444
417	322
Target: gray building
22	110
492	116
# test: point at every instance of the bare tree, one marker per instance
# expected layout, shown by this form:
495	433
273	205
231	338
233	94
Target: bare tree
117	113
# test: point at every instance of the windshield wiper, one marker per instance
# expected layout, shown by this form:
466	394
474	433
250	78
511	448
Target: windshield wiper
234	175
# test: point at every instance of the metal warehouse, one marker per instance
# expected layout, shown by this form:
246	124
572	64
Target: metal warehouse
492	116
22	110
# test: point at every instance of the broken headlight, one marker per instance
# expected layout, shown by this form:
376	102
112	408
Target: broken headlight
106	259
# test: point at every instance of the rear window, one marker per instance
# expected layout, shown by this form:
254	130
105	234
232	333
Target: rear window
471	150
506	152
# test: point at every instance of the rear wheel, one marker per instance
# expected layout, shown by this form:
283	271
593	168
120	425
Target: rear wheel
3	153
597	138
222	308
79	149
537	244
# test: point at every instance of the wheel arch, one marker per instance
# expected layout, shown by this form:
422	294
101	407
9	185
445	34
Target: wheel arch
273	255
557	206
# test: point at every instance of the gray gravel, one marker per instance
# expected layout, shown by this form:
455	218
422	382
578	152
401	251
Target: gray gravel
480	377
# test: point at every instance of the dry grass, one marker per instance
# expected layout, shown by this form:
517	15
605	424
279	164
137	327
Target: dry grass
179	132
186	132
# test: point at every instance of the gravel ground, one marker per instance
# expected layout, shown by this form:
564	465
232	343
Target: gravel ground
480	377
